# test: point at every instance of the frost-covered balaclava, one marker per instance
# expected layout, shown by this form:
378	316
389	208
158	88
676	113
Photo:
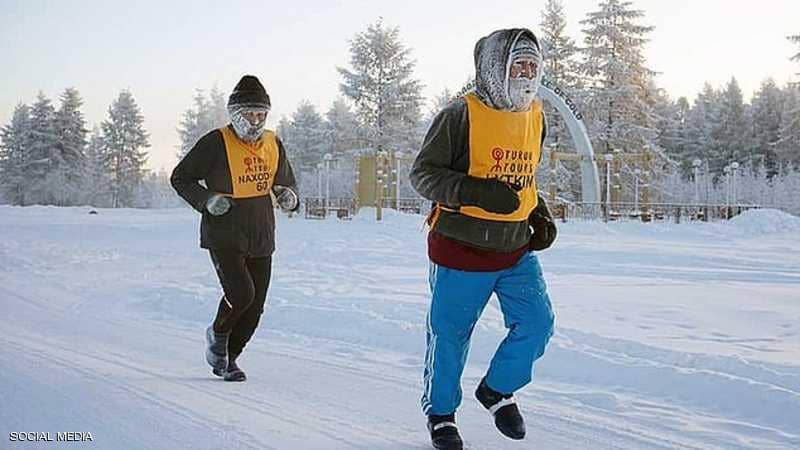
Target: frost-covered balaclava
249	95
500	55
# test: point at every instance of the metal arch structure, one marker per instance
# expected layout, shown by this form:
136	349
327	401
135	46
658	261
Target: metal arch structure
590	178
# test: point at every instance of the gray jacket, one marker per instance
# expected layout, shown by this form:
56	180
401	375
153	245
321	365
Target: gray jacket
440	166
443	161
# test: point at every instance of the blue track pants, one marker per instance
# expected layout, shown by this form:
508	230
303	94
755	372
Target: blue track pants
458	299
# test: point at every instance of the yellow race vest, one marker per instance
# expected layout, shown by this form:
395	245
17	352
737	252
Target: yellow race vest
253	167
506	145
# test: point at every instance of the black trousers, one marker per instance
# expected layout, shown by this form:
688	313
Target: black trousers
244	281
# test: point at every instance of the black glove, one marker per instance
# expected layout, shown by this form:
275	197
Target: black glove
490	195
544	228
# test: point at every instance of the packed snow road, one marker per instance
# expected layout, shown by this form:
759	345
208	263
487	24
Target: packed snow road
667	336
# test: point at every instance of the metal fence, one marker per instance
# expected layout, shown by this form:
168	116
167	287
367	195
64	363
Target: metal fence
346	208
676	212
319	207
415	205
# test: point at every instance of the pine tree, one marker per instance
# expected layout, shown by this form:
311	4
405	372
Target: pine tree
438	103
788	146
796	57
702	141
619	97
284	129
15	140
796	40
71	129
193	124
207	113
305	138
218	105
441	101
155	191
382	87
561	69
45	159
97	184
672	126
731	130
124	139
767	112
342	129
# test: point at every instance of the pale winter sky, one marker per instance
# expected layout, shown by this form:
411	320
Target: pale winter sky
163	50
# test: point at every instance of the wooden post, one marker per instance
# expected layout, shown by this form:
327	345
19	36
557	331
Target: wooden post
379	179
357	170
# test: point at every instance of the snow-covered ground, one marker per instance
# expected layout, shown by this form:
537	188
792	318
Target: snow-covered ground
668	336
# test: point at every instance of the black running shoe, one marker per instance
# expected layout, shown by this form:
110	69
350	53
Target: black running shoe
444	432
217	350
233	372
507	417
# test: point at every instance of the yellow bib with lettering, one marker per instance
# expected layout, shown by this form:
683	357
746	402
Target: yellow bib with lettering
505	145
253	167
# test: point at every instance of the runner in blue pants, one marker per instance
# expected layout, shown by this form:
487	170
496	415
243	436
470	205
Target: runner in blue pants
459	298
478	166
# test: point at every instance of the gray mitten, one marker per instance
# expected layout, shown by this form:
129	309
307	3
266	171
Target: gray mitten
218	204
287	198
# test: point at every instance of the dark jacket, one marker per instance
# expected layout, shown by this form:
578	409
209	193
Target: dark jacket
436	175
249	226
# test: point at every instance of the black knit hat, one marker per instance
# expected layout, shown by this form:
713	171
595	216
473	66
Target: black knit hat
249	91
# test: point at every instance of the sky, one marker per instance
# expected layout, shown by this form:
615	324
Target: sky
163	51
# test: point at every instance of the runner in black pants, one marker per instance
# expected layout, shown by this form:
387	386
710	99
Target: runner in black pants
245	281
242	166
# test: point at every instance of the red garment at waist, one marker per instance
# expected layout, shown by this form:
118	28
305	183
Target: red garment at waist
455	255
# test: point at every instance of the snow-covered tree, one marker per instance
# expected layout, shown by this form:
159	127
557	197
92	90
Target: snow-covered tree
208	113
560	64
561	68
619	101
71	130
796	40
731	129
194	124
96	179
218	104
305	137
796	57
701	139
45	159
673	131
15	139
438	103
382	87
788	146
672	124
767	112
43	152
282	129
342	129
124	141
155	191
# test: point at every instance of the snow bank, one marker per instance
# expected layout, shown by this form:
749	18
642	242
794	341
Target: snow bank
766	221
